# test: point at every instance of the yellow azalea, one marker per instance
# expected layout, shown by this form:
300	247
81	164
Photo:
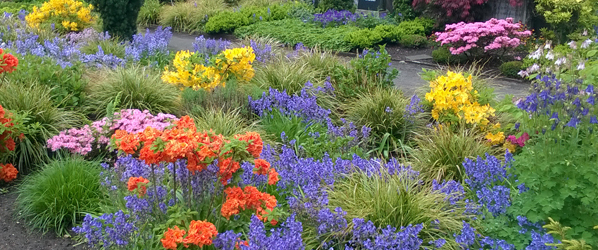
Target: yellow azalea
230	63
73	15
451	94
495	139
510	146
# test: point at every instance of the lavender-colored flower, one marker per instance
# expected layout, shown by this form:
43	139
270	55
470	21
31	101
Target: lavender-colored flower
227	240
287	237
496	199
148	45
109	229
467	236
210	47
453	190
585	44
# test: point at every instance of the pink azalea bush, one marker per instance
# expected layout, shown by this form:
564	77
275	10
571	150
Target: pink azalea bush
491	35
82	140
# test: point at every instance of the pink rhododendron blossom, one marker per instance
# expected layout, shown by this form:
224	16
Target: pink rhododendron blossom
493	34
82	140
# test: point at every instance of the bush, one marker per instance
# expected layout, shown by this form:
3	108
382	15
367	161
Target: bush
336	5
403	10
510	69
396	197
64	15
149	13
389	33
119	17
440	152
133	88
42	120
190	17
364	38
413	27
383	110
442	55
66	84
226	21
292	31
413	41
58	196
480	38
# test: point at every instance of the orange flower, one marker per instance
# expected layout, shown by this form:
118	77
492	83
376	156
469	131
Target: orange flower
261	167
186	122
227	168
149	156
248	198
8	172
10	144
255	143
272	177
241	243
126	142
149	135
201	233
273	222
172	237
133	184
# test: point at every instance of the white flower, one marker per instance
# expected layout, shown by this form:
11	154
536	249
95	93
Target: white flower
581	66
585	32
549	56
536	54
573	45
533	68
586	43
560	61
523	73
547	45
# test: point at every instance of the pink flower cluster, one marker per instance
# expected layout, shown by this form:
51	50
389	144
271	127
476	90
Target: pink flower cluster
491	35
518	141
81	140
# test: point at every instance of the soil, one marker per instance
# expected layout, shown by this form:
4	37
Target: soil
14	235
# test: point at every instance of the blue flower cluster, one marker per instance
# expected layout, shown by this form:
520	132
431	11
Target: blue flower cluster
340	17
263	51
148	45
571	103
108	230
287	237
210	47
367	236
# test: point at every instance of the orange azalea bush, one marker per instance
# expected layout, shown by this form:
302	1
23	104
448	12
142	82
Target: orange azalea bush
7	145
199	151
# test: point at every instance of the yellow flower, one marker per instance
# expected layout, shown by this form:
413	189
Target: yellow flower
510	146
496	139
71	14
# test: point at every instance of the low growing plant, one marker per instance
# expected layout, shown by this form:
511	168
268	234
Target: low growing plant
58	196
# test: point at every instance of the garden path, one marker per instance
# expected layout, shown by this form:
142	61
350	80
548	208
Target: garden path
408	80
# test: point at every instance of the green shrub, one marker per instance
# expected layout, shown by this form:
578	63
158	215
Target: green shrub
325	5
363	38
510	69
427	23
119	17
149	13
60	194
227	123
135	88
412	27
293	31
403	10
227	99
366	72
383	110
440	152
15	7
43	119
190	16
413	41
226	21
400	200
66	85
389	33
442	55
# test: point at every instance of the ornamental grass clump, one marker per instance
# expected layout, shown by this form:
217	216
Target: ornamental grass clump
133	88
496	35
400	199
58	196
63	15
191	69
